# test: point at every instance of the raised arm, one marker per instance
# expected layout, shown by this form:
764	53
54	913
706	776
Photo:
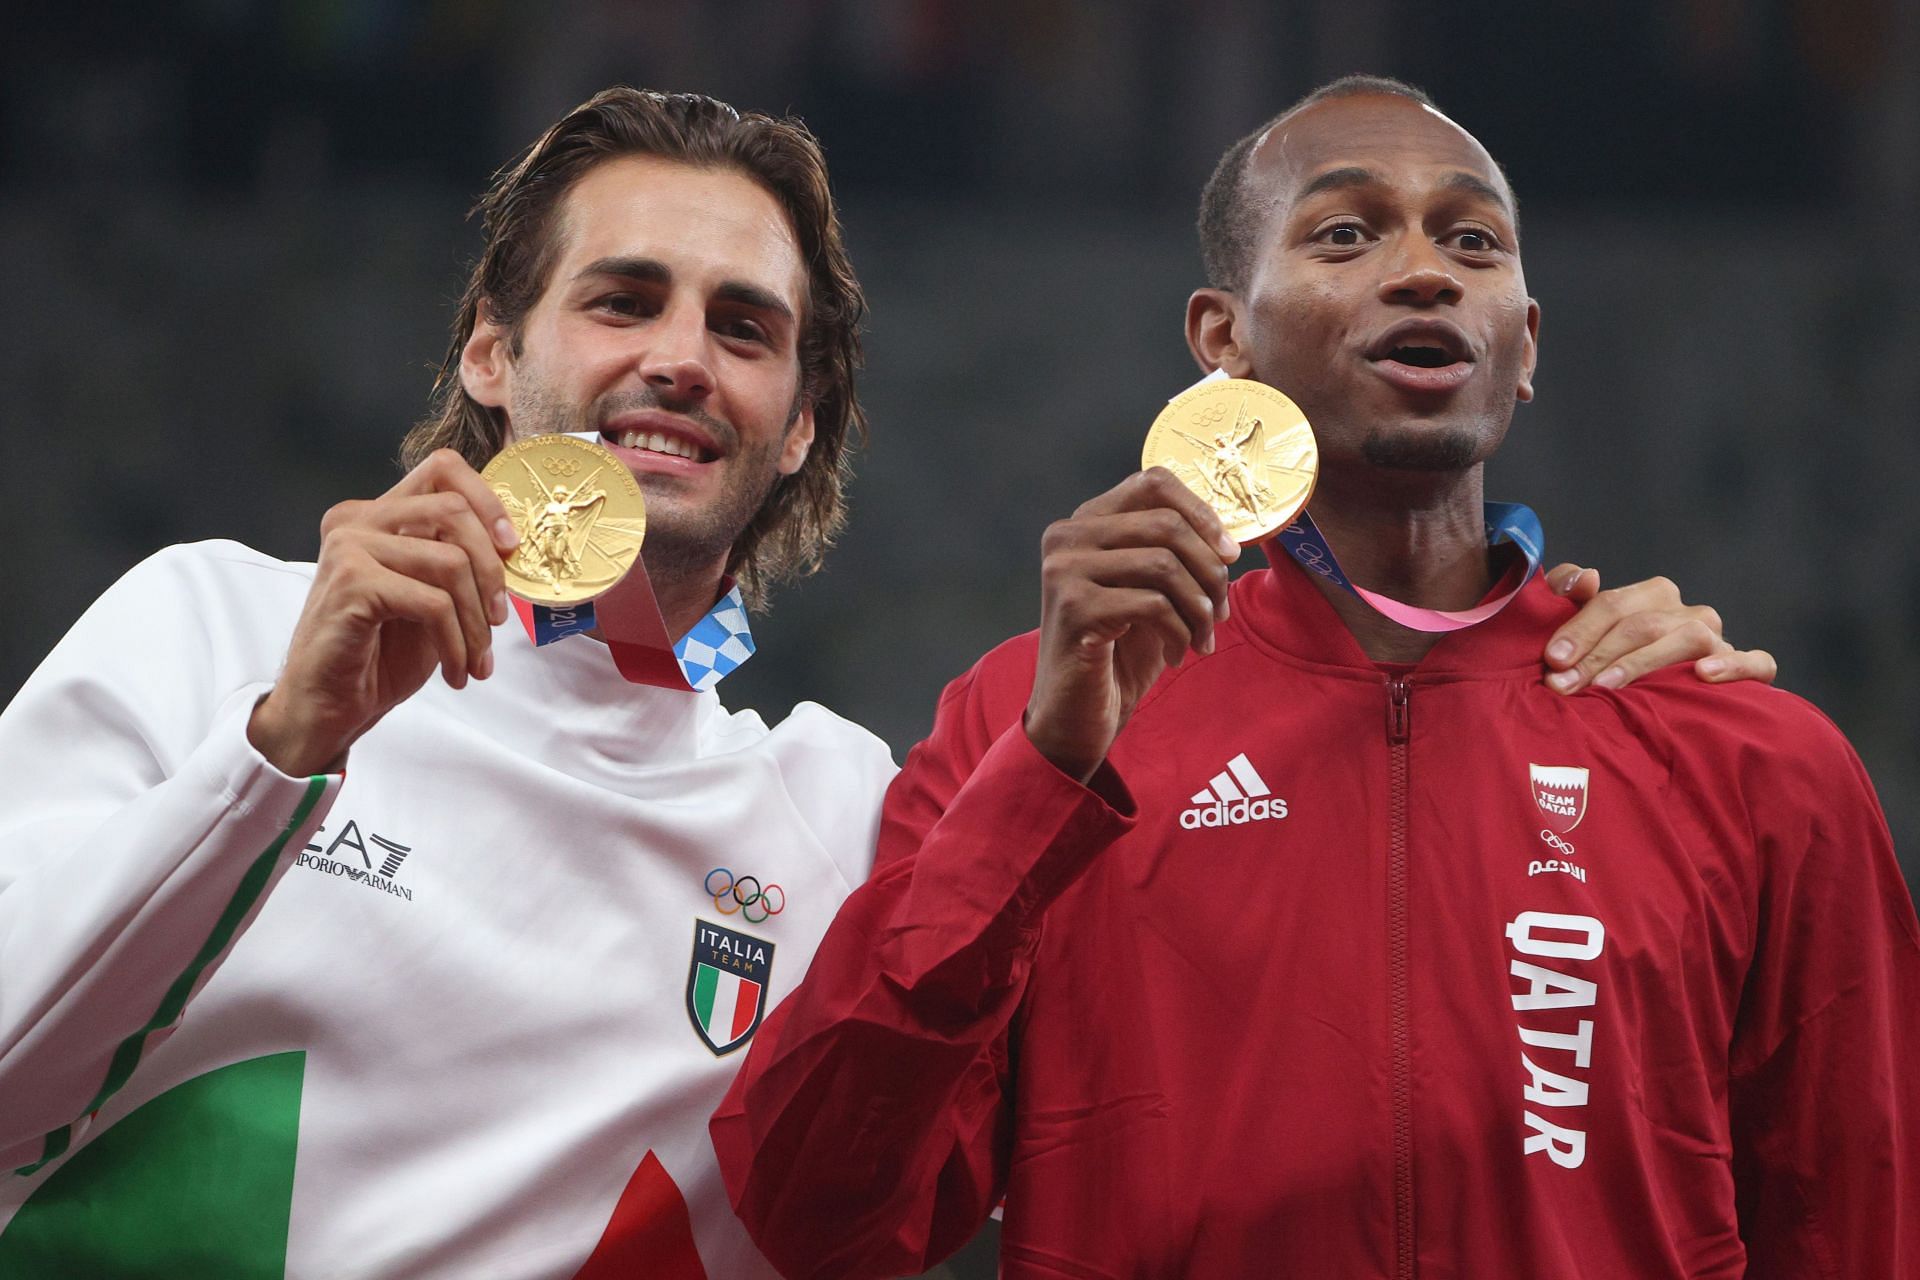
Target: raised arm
139	832
164	766
867	1134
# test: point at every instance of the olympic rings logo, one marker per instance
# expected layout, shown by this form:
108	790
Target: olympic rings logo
1314	557
731	895
560	466
1556	842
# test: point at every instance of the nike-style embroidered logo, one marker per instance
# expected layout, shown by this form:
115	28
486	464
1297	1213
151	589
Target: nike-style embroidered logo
1235	795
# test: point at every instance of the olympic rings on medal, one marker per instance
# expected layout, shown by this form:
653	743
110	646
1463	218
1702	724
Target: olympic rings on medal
732	896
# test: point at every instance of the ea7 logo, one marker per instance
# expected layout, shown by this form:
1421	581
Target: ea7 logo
1560	793
348	856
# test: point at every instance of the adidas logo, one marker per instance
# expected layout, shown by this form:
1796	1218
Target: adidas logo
1234	796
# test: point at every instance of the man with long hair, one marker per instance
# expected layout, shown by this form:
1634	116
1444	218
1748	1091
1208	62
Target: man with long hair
314	966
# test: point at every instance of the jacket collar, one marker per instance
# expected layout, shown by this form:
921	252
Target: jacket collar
1278	608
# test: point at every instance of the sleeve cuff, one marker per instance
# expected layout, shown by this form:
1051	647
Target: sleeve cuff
1106	785
1046	825
228	762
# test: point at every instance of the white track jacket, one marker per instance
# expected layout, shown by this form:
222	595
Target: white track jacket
461	1012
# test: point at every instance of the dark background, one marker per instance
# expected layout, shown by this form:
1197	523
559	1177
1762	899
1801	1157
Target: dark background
233	233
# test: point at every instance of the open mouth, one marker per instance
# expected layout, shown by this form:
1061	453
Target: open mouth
1422	344
1422	357
673	446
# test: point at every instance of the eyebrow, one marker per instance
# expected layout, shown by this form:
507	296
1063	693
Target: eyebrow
1355	176
752	295
653	271
1337	179
1476	186
650	270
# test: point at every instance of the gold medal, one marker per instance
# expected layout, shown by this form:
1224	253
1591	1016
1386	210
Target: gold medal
579	514
1244	448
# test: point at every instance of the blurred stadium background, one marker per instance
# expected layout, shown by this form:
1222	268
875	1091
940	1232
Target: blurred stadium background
234	232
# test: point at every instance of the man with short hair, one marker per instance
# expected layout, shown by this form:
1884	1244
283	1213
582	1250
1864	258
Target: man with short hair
1260	930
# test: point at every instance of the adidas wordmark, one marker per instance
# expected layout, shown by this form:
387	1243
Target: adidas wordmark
1235	795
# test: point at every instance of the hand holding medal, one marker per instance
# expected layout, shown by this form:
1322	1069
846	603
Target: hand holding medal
1248	452
418	577
406	582
579	515
1243	448
581	520
1137	579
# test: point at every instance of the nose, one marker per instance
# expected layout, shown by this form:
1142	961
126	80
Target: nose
674	359
1420	278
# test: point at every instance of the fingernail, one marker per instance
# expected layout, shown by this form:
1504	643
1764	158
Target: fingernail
1712	666
1560	650
500	607
1611	678
484	667
1566	583
1564	680
505	534
1226	608
1206	646
1229	549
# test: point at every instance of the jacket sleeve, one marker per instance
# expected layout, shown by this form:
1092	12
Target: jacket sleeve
139	832
1823	1101
867	1133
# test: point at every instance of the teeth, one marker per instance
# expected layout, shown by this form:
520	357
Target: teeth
658	442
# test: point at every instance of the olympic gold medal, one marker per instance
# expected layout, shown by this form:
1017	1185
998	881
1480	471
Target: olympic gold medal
1244	448
579	514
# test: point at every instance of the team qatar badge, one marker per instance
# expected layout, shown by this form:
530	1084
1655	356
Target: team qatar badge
727	982
1560	792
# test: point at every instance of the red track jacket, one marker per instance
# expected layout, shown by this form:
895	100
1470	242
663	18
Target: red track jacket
1336	972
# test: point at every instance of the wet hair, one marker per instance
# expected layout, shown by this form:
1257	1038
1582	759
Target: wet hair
520	218
1231	216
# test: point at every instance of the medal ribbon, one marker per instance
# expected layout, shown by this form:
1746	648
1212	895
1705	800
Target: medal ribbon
1506	522
630	624
629	621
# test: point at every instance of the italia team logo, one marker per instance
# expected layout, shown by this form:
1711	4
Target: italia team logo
1560	792
727	985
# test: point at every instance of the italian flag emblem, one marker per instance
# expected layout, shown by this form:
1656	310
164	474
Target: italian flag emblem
727	981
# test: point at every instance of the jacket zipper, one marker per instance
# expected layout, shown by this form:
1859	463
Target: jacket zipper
1400	1029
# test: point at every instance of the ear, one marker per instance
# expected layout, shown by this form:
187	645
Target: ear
1214	332
486	365
1530	354
793	450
